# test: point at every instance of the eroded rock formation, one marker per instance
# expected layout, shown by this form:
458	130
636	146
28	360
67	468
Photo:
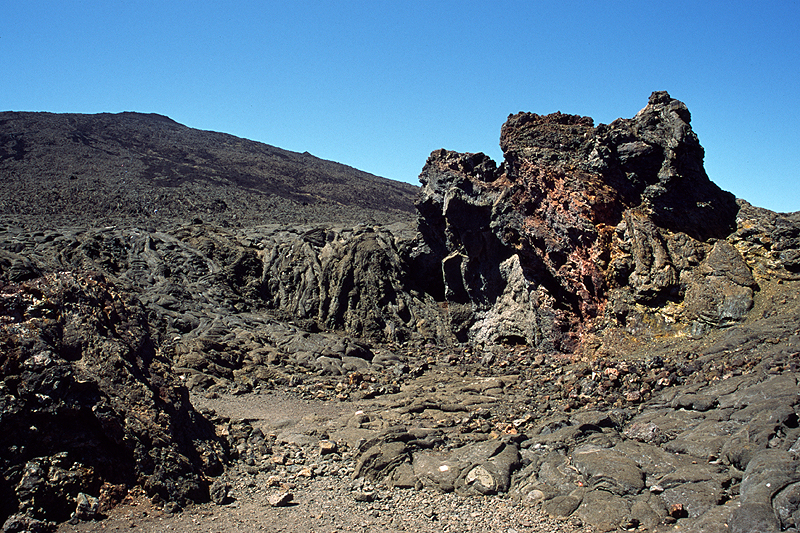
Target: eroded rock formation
87	405
580	227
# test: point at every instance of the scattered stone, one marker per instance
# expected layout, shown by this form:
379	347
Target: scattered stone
364	496
86	507
219	492
326	447
280	499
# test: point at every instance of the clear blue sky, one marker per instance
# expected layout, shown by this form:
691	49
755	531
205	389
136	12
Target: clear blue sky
379	85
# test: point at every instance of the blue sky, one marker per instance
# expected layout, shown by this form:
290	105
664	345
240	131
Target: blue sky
379	85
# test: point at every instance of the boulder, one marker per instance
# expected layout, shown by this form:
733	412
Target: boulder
608	470
86	399
604	510
720	291
751	517
479	468
769	472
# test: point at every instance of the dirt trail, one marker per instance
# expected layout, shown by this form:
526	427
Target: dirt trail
327	503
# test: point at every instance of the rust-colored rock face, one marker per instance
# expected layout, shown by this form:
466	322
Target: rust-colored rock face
575	218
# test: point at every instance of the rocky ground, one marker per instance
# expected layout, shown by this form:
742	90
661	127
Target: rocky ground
432	448
426	443
293	463
680	432
590	337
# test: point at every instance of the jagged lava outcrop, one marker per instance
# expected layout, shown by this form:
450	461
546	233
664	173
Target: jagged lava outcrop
580	230
89	405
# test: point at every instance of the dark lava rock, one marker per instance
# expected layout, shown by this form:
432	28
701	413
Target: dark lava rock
86	398
608	470
578	226
474	469
24	524
593	327
356	282
225	304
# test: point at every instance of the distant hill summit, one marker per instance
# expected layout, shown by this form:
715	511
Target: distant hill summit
134	167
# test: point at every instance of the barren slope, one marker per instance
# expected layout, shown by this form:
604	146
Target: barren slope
130	166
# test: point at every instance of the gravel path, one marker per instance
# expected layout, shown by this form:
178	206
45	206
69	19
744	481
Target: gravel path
328	506
329	500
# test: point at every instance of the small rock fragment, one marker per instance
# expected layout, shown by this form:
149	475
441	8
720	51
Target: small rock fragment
677	511
483	477
364	496
327	447
219	491
280	499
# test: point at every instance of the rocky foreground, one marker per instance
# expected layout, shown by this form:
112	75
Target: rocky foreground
592	330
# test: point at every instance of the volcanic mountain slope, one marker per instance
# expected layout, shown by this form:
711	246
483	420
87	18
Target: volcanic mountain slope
111	168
